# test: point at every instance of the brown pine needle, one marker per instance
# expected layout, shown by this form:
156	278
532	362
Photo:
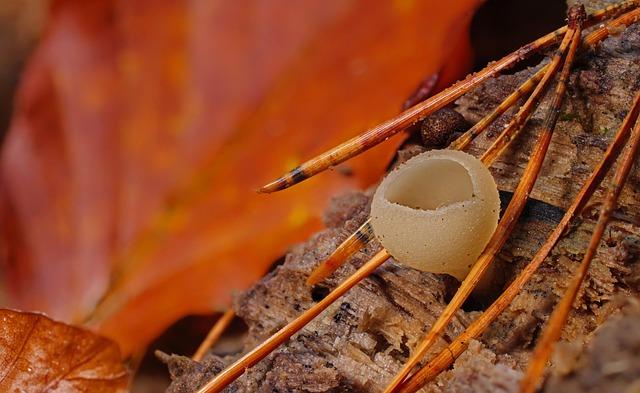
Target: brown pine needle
513	211
350	246
465	139
609	12
610	28
613	27
519	120
214	334
560	315
447	356
412	115
235	370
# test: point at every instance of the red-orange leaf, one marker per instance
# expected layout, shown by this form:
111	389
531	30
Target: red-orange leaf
41	355
142	129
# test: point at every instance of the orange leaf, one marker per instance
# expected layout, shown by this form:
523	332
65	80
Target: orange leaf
38	355
142	129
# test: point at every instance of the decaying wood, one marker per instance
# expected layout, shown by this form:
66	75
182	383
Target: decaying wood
360	342
611	362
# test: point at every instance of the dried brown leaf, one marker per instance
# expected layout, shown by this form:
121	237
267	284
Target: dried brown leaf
38	354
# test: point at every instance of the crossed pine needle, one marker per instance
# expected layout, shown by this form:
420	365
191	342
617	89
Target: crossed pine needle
570	41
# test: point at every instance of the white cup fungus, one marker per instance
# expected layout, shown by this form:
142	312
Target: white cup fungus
437	211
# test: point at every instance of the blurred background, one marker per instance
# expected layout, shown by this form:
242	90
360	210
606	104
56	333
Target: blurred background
134	134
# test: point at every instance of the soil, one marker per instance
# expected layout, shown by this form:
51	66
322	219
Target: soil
360	342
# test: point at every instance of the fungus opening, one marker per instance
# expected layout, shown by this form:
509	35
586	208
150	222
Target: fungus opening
437	211
431	184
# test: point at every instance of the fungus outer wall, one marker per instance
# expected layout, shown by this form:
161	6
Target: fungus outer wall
437	211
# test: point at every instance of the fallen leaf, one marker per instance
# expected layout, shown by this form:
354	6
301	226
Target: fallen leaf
38	354
142	129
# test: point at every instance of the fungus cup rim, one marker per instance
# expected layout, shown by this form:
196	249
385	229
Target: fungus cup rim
444	155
